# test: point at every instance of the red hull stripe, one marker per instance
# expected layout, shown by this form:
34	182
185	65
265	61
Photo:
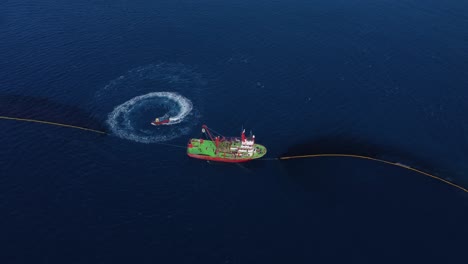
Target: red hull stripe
203	157
160	122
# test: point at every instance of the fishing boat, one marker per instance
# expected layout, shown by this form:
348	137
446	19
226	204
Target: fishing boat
223	149
158	122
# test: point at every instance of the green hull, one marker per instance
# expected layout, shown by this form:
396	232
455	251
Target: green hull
206	149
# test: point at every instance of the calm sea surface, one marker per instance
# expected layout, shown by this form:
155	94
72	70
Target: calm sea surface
347	76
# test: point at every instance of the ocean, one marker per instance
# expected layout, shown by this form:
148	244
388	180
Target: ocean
381	78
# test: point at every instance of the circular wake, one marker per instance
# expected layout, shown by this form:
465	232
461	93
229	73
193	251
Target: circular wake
124	121
132	101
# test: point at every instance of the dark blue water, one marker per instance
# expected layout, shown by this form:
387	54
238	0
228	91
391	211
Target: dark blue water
388	74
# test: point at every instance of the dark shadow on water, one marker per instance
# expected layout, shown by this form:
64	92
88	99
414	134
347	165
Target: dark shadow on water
301	170
38	108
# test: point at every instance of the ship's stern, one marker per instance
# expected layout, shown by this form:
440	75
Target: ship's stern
259	151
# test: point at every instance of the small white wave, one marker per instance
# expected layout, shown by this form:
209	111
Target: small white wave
121	124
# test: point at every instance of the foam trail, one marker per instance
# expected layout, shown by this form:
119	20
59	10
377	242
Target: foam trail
120	122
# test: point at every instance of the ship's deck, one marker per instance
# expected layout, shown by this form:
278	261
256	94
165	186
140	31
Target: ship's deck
224	147
208	148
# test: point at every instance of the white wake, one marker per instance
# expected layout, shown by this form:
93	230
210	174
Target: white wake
121	124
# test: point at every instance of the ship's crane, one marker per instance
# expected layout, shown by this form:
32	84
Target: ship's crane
216	140
206	130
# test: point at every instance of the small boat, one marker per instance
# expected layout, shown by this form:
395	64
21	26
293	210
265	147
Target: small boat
158	122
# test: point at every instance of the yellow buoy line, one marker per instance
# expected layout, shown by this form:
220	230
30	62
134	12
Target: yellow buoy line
52	123
379	160
280	158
